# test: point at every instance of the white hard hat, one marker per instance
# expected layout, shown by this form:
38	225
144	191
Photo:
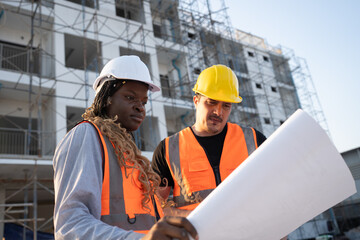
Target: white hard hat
125	67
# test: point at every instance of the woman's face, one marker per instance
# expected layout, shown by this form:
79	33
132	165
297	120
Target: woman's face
128	103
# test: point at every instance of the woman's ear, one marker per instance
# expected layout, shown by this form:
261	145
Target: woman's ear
108	101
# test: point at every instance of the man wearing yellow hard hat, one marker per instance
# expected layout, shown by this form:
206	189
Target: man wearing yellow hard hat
198	158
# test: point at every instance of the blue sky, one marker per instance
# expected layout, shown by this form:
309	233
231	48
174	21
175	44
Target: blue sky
327	34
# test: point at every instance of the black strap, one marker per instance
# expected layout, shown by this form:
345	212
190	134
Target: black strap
155	208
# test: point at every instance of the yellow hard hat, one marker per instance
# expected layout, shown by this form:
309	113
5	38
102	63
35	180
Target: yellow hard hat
220	83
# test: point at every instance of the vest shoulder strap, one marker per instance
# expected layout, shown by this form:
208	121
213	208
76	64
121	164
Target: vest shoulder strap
250	136
100	142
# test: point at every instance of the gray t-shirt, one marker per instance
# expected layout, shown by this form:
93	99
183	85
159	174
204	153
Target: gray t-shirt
78	183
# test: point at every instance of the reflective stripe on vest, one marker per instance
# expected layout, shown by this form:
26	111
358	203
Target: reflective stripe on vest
187	159
126	213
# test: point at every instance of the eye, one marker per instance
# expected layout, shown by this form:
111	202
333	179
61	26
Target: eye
211	102
227	106
144	103
129	97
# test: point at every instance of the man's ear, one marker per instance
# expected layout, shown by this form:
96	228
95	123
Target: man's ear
196	100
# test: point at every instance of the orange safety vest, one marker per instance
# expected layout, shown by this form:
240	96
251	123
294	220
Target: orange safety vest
121	195
192	166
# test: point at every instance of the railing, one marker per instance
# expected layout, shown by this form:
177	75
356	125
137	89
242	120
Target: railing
176	89
17	58
45	3
16	142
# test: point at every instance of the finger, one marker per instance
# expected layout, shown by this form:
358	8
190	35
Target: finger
165	230
184	223
176	232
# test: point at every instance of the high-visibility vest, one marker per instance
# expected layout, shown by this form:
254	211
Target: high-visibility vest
186	158
121	194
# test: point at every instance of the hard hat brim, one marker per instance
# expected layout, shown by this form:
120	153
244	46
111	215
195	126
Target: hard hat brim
102	79
222	99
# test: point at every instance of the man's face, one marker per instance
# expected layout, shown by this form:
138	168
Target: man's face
128	103
211	115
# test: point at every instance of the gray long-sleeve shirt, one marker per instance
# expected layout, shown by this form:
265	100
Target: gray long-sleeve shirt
78	184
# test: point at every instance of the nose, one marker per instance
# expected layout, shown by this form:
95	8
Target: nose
139	107
218	109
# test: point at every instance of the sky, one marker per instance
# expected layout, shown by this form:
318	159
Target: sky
327	34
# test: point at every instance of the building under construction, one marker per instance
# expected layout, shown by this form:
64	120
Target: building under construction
52	51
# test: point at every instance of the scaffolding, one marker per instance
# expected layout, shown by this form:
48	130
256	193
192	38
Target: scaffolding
182	38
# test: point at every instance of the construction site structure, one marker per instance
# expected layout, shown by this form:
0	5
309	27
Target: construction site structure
343	220
52	51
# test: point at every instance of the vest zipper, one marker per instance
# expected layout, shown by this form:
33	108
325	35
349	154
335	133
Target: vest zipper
216	169
217	175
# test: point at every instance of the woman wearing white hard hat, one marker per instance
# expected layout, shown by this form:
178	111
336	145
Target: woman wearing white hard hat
104	187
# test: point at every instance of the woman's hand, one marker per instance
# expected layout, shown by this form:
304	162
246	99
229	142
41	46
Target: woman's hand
171	211
170	227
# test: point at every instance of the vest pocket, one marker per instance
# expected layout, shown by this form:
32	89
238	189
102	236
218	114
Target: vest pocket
198	166
199	174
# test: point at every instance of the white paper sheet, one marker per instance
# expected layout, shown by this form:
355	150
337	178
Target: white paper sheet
296	174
